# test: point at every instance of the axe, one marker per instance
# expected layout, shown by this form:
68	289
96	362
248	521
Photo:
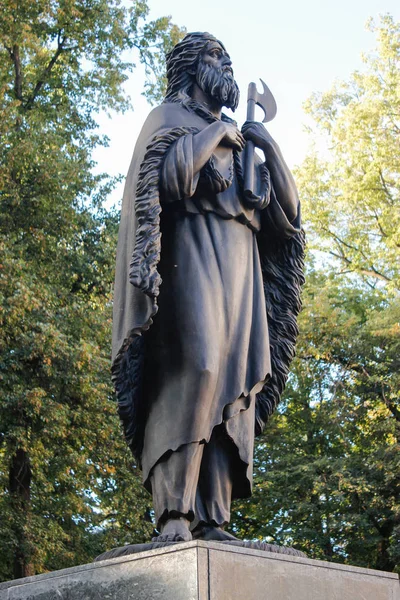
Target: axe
267	102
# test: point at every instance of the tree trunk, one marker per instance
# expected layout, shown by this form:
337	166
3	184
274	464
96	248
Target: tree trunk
384	562
20	489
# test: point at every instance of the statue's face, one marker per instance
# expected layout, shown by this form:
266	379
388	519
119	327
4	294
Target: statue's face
217	57
215	76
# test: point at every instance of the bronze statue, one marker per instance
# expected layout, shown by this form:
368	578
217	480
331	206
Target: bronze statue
207	292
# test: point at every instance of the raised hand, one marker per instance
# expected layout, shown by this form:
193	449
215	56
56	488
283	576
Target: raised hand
256	133
232	137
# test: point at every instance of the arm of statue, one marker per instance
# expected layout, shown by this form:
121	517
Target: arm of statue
207	140
281	177
188	155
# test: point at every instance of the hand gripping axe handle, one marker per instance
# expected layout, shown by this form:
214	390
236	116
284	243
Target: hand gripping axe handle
267	102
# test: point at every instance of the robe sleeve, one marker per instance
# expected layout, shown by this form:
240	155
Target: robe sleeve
260	199
265	187
178	181
276	221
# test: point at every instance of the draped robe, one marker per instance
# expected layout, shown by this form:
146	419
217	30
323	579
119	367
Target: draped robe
196	352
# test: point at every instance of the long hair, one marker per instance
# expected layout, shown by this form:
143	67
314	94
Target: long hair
182	64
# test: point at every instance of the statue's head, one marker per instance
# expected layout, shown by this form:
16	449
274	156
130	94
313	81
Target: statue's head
201	58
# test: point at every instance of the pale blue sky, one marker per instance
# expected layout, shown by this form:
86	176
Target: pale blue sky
297	47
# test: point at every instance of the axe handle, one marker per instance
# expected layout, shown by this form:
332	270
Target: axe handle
249	154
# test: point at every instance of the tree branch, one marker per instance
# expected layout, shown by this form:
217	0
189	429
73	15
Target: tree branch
376	217
385	186
15	57
43	78
369	272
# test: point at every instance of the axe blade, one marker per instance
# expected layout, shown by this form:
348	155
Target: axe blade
265	100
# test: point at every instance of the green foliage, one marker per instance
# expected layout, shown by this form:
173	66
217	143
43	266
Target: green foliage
68	487
327	468
352	198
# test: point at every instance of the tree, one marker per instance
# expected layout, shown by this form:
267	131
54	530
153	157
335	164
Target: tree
352	198
60	441
327	469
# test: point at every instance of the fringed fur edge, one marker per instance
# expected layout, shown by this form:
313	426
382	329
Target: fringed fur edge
127	368
282	265
143	272
126	375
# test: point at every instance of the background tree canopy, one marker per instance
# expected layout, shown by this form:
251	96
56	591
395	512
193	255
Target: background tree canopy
62	458
327	468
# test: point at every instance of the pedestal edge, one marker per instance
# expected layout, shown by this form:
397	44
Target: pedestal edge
198	544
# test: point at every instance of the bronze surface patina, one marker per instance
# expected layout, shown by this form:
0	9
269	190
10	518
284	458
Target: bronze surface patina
207	292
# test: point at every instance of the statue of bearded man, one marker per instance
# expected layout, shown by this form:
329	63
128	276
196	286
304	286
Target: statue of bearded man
206	295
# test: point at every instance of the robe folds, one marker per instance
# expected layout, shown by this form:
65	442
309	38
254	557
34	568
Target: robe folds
202	275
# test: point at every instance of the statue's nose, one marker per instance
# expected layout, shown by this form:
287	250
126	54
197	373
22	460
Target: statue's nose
227	61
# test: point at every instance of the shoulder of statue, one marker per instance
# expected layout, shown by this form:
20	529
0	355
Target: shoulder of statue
160	114
161	119
172	114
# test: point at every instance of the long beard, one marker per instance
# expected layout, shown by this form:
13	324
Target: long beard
219	84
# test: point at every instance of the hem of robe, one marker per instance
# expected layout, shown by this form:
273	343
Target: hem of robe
243	487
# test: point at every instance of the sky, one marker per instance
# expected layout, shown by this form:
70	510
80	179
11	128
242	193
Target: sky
296	47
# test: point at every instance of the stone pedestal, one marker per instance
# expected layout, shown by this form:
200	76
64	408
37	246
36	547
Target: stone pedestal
207	571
